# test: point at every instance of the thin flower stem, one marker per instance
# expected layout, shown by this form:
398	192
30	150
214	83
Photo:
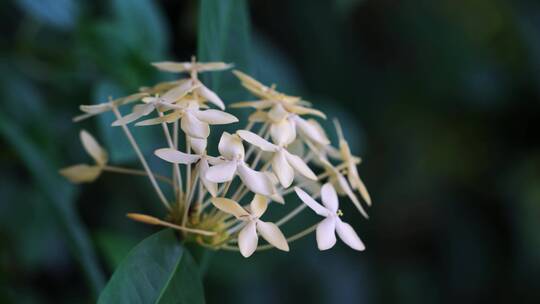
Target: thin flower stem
137	150
176	167
136	172
188	185
175	143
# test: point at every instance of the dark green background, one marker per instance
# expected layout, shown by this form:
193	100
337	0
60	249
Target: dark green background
440	98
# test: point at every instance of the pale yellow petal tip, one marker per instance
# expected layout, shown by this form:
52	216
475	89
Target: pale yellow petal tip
143	218
80	173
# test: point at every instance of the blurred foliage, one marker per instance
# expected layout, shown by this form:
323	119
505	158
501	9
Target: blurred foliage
439	97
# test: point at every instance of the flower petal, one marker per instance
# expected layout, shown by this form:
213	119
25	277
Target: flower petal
283	133
139	111
229	206
203	169
81	173
310	131
271	233
308	200
256	140
258	205
193	126
223	172
329	197
176	157
257	104
230	146
198	144
255	181
211	96
299	165
168	118
326	233
178	92
282	169
357	183
175	67
248	239
93	148
215	117
347	234
277	113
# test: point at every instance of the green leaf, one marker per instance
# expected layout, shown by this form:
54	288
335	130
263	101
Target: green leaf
224	35
59	193
142	24
158	270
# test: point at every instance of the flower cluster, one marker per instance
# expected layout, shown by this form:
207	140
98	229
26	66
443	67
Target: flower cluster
285	145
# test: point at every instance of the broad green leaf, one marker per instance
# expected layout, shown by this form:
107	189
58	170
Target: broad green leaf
224	35
158	270
142	25
60	194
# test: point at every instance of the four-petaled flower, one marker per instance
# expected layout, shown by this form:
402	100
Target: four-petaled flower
327	228
247	238
282	161
83	173
231	148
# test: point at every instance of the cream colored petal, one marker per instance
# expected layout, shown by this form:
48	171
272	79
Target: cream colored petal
305	111
95	109
215	117
329	197
357	183
255	181
230	146
211	96
256	140
308	200
271	233
81	173
310	131
326	233
347	234
283	133
300	166
347	189
178	92
258	116
174	67
223	172
176	157
193	127
277	113
198	144
258	205
229	206
168	118
258	104
248	239
282	169
203	170
212	66
139	111
93	148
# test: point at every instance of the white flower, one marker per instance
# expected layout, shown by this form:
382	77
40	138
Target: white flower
247	238
282	161
232	150
327	228
177	157
193	121
83	173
